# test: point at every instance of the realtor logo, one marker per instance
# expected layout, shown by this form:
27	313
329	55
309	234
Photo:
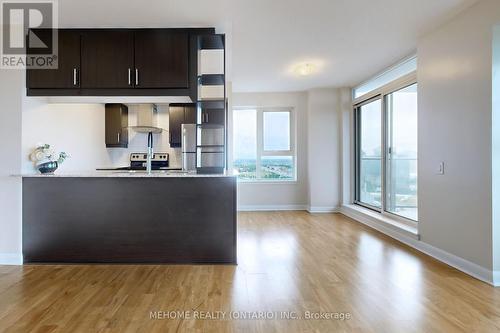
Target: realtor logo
29	34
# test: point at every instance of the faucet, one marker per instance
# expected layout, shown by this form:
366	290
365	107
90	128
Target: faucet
150	152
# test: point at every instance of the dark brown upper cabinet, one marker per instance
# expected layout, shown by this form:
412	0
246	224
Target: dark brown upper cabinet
122	62
107	59
67	75
190	114
179	114
116	125
161	59
211	113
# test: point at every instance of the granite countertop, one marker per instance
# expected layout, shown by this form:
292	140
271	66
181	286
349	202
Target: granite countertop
127	174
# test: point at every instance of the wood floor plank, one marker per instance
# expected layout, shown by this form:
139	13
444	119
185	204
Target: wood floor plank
289	262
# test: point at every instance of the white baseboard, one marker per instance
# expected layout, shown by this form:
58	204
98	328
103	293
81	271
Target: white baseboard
11	259
323	209
459	263
310	209
468	267
264	208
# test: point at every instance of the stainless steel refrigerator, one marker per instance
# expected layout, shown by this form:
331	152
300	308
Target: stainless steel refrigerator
188	146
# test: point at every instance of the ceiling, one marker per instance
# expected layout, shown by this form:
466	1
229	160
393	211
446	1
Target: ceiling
347	40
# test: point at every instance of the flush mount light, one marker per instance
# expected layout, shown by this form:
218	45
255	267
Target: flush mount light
305	69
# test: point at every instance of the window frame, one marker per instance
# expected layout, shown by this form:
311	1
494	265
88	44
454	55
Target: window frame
357	154
410	59
260	110
379	93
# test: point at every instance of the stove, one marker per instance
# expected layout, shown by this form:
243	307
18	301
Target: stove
138	162
159	161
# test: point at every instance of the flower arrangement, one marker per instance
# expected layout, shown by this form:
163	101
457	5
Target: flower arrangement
45	158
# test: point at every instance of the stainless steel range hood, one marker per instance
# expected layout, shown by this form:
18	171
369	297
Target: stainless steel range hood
147	119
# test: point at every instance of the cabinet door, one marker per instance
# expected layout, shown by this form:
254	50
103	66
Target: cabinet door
190	115
213	116
116	125
161	59
175	120
107	59
211	113
66	76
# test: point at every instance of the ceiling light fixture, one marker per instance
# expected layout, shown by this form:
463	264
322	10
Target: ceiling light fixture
305	69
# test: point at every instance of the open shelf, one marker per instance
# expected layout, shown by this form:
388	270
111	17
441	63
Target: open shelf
211	42
211	146
211	79
210	126
212	104
211	110
210	170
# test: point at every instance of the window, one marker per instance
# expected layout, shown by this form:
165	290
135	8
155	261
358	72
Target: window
386	151
276	131
403	68
245	143
402	152
370	153
263	144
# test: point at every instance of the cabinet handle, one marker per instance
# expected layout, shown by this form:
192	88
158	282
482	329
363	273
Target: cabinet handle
75	81
136	77
118	137
129	77
207	117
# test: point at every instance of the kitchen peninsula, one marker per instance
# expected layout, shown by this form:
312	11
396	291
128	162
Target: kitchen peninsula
167	85
129	217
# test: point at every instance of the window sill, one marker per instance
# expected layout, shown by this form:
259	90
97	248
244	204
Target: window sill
268	182
378	221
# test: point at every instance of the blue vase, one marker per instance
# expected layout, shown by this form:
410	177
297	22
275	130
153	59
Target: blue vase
48	167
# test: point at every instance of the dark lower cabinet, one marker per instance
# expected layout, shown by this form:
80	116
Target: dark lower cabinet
179	114
129	220
116	126
67	74
107	59
161	59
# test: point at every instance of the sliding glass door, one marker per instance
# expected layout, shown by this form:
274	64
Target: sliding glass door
386	152
401	152
369	151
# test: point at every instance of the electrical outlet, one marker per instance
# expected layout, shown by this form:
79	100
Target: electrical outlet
441	168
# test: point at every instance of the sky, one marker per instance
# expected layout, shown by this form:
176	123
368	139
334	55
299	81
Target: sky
276	132
404	129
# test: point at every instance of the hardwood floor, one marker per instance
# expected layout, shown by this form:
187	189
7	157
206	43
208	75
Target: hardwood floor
288	262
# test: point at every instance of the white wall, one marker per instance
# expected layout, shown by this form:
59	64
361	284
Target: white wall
11	91
347	145
317	122
79	129
455	117
323	149
285	195
496	148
